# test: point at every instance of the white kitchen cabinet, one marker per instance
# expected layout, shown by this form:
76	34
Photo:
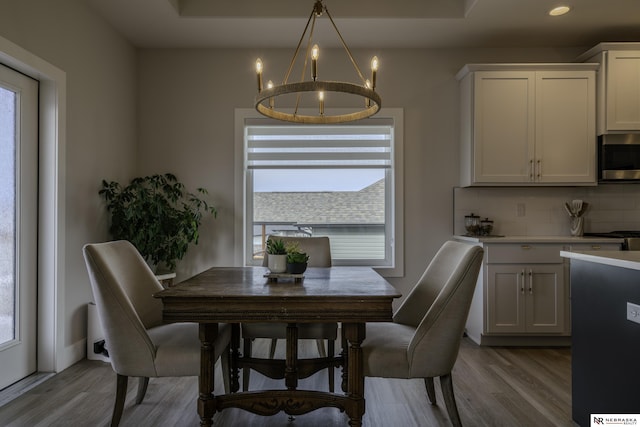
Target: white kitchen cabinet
523	291
526	290
618	86
528	124
522	296
501	139
525	298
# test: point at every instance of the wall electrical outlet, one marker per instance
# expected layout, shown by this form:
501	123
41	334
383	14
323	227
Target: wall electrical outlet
521	209
633	312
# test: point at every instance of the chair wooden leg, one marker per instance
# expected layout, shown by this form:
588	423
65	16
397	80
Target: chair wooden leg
246	370
331	349
121	394
272	348
142	389
446	383
431	390
226	369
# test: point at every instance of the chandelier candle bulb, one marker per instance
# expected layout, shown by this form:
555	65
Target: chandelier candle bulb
374	71
315	52
367	101
321	99
270	86
259	73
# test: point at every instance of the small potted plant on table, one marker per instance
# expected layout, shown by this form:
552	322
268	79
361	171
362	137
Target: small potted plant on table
276	255
296	260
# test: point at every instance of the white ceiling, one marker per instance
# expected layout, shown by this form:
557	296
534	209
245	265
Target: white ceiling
372	23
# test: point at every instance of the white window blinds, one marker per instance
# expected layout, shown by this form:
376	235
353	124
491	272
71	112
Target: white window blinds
352	146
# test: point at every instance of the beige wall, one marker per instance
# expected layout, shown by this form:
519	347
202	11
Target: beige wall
186	110
101	130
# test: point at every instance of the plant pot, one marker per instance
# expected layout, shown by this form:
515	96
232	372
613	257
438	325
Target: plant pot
296	268
166	279
277	263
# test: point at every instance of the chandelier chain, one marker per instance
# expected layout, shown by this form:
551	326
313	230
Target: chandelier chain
295	54
314	14
346	48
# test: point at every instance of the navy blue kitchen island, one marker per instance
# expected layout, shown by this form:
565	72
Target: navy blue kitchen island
605	356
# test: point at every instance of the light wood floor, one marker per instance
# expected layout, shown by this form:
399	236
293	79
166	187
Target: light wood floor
493	386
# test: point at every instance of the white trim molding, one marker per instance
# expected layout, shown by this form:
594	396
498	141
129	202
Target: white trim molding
396	116
51	228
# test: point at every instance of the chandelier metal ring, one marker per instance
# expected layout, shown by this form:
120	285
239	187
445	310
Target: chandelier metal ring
310	86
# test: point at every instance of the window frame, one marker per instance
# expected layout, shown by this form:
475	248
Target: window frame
244	117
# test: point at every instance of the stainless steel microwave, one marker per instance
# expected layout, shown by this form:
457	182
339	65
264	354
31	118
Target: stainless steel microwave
619	158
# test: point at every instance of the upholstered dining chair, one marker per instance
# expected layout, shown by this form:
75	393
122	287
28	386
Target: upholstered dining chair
424	338
319	251
138	342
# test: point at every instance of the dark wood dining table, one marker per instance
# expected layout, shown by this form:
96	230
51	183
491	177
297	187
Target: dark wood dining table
235	295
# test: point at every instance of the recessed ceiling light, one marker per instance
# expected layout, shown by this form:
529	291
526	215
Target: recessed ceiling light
560	10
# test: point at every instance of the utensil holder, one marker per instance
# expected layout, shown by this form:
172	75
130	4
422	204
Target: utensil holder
577	226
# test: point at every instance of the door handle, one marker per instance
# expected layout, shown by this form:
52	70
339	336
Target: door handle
530	282
531	171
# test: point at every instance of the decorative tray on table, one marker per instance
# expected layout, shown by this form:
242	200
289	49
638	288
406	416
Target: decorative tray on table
273	277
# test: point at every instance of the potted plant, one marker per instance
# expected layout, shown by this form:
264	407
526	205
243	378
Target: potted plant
157	215
277	255
296	260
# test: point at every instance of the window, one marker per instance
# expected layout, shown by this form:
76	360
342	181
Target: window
323	180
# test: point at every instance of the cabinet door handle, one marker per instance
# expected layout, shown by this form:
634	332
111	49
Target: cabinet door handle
539	168
522	281
595	247
530	281
525	247
531	171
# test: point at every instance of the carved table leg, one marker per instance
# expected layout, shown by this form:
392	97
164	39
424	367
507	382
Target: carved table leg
235	354
355	334
206	400
291	369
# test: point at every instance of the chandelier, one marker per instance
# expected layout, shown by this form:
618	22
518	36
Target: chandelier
266	99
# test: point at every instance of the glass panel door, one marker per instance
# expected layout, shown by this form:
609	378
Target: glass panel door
7	216
18	225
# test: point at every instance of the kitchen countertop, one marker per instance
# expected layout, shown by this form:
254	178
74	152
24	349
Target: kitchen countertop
624	259
538	239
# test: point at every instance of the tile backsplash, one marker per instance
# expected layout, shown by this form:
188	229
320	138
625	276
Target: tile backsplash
539	211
